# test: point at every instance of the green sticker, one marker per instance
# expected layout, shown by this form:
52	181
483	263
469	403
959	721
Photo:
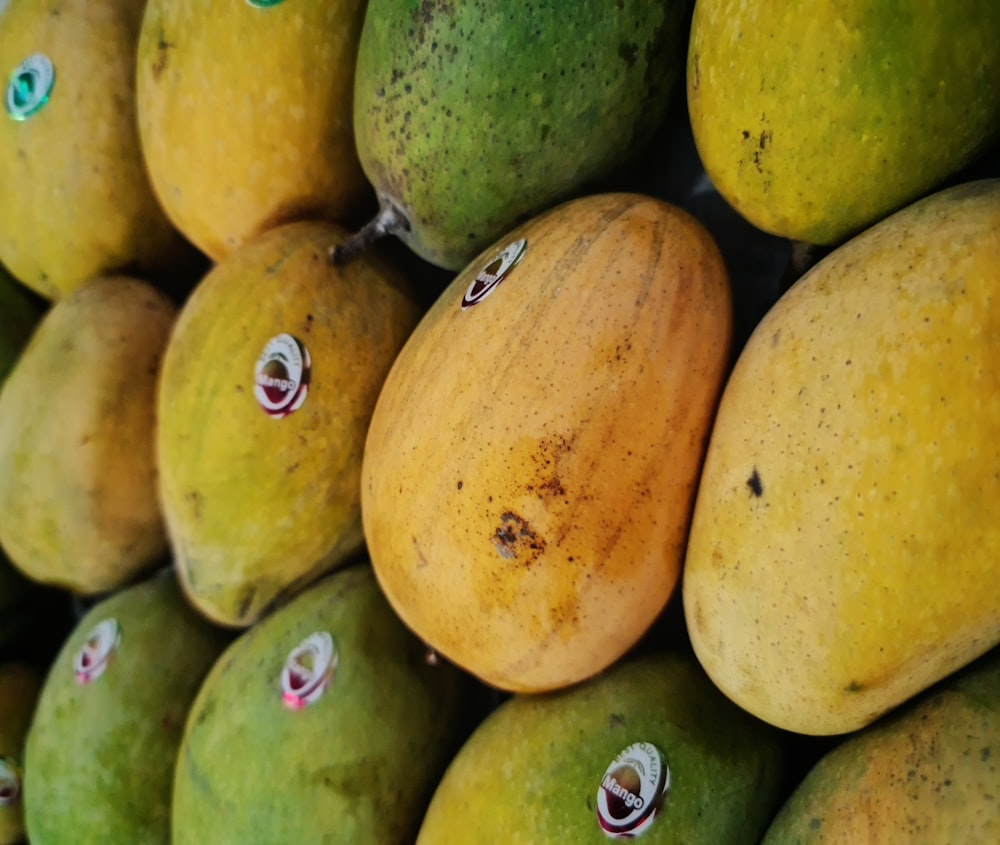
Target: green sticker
29	86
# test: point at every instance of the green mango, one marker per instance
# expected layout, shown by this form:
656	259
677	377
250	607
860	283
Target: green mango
100	752
471	117
20	310
323	722
650	749
925	774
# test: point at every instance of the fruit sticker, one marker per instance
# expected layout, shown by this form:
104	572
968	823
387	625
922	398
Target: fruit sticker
308	670
488	279
632	791
96	653
29	86
281	379
263	4
10	782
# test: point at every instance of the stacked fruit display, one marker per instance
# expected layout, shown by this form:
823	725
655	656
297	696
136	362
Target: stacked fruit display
477	423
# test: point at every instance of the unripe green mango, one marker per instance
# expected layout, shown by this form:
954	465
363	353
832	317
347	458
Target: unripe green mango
471	117
815	120
324	722
925	775
101	750
649	750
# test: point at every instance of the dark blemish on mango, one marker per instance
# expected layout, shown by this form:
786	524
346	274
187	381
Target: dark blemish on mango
162	48
246	599
459	485
854	686
753	482
628	52
616	720
514	538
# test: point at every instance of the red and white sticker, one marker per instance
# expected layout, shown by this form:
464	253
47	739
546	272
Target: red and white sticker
632	791
489	278
281	377
93	658
10	782
308	670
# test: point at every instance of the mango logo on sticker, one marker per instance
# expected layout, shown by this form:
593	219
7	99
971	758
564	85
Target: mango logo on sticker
489	278
95	654
308	670
10	782
632	791
281	377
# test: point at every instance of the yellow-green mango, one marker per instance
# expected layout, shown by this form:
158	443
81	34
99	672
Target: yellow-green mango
844	543
649	750
925	775
76	201
268	384
20	684
815	120
79	508
324	722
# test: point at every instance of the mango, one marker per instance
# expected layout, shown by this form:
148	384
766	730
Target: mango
20	684
843	547
649	750
269	380
101	749
76	200
815	121
471	117
79	508
925	774
244	115
531	463
324	722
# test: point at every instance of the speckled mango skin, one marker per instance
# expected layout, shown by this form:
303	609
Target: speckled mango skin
20	684
531	462
245	115
816	120
79	508
925	775
256	506
471	117
843	548
76	201
530	772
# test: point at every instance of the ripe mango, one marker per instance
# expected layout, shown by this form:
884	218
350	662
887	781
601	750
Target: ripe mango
815	120
531	462
649	750
843	548
78	499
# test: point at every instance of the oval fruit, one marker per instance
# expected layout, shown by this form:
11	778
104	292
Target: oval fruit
843	549
244	114
531	462
645	751
78	498
816	120
76	200
268	384
324	722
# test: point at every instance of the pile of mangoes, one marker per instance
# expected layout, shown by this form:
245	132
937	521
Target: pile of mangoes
435	422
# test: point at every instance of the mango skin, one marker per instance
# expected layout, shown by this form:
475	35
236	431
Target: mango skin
531	462
472	117
76	200
924	775
843	548
20	685
79	507
244	115
530	772
99	757
816	120
357	766
256	507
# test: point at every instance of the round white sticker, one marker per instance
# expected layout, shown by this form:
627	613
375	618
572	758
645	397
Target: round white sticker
94	656
10	782
488	279
308	670
281	377
632	791
29	86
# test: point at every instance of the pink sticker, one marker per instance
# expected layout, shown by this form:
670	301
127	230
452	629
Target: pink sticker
308	670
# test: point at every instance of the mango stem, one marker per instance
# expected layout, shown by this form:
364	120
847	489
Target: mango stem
390	220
